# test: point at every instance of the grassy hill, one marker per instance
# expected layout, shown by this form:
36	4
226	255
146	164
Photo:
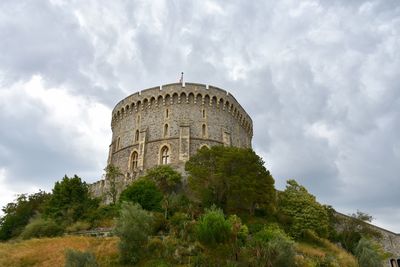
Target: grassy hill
51	252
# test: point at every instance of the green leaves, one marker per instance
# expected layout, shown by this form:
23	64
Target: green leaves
302	211
145	193
232	178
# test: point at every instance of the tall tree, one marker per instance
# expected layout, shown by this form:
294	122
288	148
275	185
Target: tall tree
70	200
302	211
18	213
232	178
112	175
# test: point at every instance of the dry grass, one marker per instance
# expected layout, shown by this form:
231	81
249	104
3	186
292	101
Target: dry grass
51	251
312	253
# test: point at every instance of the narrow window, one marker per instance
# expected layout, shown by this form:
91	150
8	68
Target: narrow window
166	130
134	160
118	143
137	136
166	113
165	155
203	130
204	113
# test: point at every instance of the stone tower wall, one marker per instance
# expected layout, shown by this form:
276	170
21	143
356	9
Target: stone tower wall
195	115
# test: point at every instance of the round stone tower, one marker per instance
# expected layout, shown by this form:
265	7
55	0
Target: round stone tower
169	123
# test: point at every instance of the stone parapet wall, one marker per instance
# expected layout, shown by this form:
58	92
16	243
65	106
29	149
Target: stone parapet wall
179	117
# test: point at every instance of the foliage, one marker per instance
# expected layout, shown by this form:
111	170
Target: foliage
18	213
76	258
368	253
271	247
145	193
213	228
39	227
167	179
133	228
112	175
70	201
78	226
353	228
300	211
232	178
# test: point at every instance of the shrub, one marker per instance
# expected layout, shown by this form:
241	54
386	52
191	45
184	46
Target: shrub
145	193
271	247
39	227
133	228
213	228
75	258
368	253
78	226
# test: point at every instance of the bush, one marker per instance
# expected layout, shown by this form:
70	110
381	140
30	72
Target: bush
75	258
368	253
133	228
145	193
271	247
213	228
78	226
39	227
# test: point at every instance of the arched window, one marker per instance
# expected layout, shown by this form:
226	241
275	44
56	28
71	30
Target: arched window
137	136
166	130
203	130
134	161
165	155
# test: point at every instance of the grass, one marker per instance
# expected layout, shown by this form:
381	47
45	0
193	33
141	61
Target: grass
311	253
51	251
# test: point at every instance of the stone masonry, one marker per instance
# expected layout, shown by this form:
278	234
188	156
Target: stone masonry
168	124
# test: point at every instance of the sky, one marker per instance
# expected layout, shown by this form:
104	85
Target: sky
321	80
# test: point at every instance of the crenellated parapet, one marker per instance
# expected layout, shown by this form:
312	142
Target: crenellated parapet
176	94
169	123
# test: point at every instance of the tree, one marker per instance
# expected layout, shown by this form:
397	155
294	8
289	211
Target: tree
166	178
133	228
70	201
213	228
168	181
232	178
145	193
112	175
301	211
18	213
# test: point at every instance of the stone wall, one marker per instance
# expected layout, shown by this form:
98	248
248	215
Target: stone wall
178	117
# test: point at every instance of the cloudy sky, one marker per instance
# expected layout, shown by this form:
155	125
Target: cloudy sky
321	80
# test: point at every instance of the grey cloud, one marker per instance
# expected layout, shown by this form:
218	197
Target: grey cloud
319	78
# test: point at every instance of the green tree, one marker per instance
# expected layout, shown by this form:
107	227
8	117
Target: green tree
301	211
133	228
167	179
70	201
368	253
232	178
145	193
112	175
213	228
18	213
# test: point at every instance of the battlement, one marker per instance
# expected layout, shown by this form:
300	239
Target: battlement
182	93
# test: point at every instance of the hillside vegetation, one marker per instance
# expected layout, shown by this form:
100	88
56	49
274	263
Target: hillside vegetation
227	213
